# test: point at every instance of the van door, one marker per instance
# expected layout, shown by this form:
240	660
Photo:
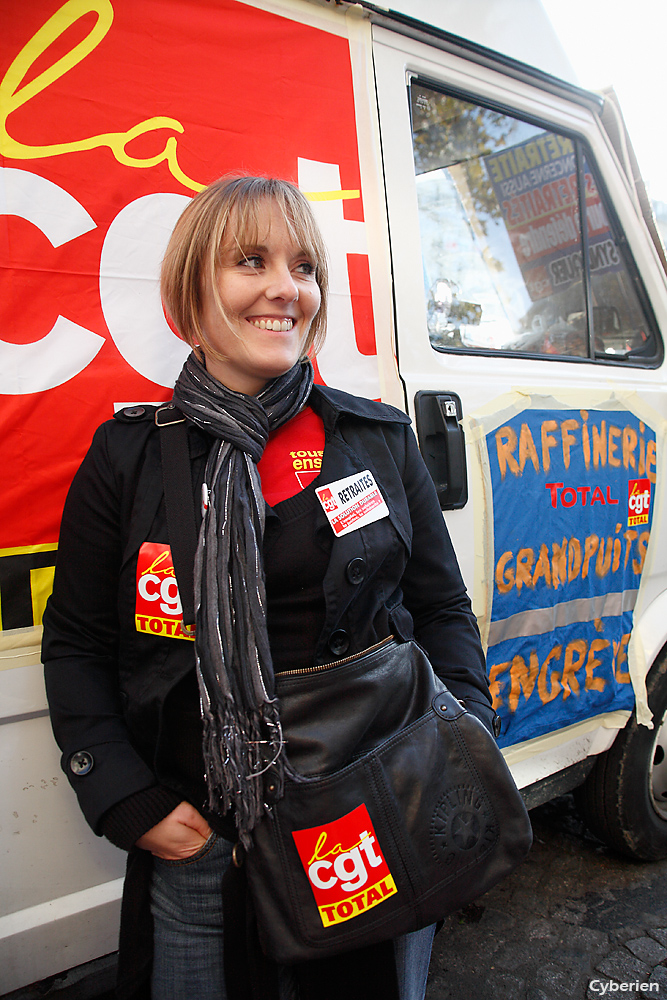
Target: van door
538	338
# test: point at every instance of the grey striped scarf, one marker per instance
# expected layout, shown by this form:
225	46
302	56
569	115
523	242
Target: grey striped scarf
242	743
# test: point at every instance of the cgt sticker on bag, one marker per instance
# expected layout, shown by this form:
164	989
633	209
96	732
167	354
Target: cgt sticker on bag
345	866
158	608
352	503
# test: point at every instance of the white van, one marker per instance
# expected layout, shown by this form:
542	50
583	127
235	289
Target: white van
493	273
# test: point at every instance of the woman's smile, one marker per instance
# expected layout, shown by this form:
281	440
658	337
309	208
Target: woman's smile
277	325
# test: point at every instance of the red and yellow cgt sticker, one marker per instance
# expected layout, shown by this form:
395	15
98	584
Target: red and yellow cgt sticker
345	866
639	501
158	609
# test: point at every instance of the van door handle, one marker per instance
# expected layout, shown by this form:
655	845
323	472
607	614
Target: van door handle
442	444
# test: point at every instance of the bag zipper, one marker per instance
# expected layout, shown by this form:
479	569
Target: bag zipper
300	671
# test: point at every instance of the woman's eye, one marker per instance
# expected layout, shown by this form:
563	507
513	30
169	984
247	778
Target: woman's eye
305	267
251	260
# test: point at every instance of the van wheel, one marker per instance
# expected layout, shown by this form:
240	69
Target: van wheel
624	798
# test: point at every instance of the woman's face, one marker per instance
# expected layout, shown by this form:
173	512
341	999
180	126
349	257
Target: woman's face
271	297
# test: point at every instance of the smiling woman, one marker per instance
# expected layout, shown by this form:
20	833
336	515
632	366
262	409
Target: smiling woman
183	740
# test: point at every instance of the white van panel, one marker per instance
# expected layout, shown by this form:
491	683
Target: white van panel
534	760
59	934
60	883
651	627
518	28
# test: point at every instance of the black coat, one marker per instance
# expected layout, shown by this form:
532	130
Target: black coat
107	682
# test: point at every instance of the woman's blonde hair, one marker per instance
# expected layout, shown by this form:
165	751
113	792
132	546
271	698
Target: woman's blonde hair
227	213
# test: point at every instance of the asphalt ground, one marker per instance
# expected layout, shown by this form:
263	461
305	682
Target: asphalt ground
575	922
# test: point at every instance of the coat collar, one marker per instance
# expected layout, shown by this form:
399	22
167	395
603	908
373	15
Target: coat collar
330	404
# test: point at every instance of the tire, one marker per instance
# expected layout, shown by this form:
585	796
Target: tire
624	798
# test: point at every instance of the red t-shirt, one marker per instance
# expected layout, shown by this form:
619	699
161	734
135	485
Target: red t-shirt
292	457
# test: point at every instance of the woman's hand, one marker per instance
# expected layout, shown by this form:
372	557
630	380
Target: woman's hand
179	835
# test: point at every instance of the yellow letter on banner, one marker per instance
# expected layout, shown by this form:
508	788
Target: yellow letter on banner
13	96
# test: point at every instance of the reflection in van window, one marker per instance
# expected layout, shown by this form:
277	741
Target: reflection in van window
502	248
618	322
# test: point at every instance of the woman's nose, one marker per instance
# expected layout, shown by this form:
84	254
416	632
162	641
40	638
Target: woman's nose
281	284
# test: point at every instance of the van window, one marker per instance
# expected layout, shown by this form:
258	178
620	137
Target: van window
500	201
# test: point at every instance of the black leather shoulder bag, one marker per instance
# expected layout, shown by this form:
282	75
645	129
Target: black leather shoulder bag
398	808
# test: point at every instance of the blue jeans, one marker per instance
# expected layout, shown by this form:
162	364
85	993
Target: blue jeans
188	954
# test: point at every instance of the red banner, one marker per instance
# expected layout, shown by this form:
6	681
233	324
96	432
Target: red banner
112	116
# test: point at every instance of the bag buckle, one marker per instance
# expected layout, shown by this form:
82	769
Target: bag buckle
165	412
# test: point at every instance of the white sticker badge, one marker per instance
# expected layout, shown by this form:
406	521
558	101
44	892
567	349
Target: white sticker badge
352	503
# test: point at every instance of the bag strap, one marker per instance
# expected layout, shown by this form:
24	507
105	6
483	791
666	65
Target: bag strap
179	505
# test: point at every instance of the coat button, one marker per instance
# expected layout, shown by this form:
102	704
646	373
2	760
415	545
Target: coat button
339	642
355	571
81	762
134	411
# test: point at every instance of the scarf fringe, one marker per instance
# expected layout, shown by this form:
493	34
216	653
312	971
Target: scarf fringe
245	763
